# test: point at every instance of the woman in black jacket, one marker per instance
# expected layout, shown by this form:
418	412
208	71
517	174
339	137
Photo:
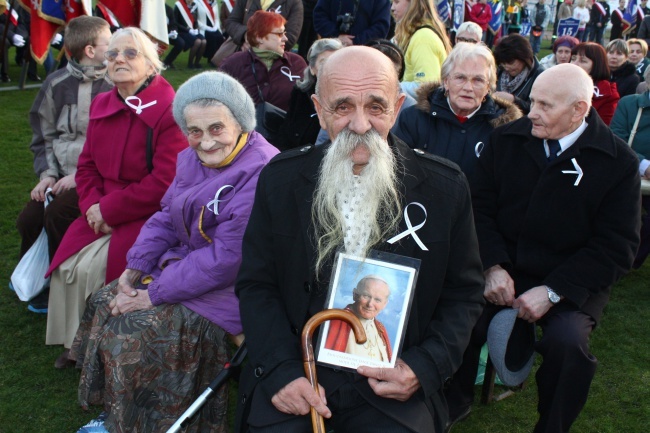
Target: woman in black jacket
453	119
623	71
518	69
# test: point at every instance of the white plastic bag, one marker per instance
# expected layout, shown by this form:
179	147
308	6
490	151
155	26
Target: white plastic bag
28	278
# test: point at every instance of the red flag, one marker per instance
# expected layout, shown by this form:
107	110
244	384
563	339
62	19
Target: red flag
41	30
126	11
73	9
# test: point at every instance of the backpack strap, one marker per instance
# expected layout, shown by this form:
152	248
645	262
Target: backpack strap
150	150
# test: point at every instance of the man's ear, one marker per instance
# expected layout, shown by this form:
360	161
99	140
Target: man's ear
580	111
398	104
319	110
89	51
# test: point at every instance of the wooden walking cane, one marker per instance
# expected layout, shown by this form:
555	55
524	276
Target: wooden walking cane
308	350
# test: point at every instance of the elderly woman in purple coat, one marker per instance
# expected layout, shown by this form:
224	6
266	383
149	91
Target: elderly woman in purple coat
152	340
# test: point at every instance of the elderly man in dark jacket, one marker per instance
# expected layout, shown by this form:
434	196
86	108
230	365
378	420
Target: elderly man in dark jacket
287	262
557	204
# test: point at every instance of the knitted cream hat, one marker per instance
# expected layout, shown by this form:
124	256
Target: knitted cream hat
221	87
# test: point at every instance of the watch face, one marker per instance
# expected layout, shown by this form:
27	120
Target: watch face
553	297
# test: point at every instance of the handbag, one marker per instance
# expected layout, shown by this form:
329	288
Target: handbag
269	118
28	279
645	184
227	48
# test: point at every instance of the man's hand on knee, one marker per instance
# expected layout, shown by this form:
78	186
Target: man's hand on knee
399	383
298	397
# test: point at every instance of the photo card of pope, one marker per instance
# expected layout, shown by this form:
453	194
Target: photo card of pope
378	290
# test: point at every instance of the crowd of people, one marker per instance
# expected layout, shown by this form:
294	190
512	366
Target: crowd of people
180	226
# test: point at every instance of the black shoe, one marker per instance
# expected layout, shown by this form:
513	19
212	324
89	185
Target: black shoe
198	66
33	77
456	418
170	66
5	78
38	304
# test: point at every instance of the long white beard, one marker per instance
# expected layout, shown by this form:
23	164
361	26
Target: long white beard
371	199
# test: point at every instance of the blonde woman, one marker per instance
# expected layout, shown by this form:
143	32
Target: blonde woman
421	36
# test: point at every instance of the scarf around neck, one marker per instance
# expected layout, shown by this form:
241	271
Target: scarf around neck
508	84
266	56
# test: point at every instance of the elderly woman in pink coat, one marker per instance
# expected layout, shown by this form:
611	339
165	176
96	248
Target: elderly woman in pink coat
127	163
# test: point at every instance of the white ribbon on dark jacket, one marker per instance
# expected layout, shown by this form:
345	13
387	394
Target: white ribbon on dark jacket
410	229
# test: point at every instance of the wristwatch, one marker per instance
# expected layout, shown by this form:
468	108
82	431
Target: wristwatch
552	296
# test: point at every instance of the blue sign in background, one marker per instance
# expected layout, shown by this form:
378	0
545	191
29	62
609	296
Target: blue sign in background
568	27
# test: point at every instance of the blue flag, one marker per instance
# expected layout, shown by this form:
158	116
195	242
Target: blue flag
459	13
53	11
630	17
443	10
497	16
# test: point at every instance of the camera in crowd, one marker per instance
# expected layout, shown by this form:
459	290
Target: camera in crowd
345	23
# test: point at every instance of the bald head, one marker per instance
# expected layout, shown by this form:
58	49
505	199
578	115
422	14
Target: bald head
358	62
566	81
560	101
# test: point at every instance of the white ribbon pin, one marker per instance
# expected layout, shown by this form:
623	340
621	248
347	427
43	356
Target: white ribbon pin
577	171
138	108
479	148
287	72
597	93
215	202
410	229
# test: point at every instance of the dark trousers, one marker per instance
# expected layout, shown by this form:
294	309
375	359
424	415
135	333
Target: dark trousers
350	413
56	219
178	45
596	34
644	246
563	379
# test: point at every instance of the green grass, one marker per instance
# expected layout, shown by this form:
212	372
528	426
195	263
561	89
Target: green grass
34	397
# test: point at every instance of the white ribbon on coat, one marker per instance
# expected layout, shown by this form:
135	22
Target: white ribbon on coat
138	108
410	229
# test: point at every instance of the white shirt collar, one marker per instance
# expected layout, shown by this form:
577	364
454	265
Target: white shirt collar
568	140
470	115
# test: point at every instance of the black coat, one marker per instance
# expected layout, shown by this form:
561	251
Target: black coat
432	126
626	79
522	93
301	126
537	224
278	291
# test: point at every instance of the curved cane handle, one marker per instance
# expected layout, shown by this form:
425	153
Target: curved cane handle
308	350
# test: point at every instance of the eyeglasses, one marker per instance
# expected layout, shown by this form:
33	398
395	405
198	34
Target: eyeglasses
280	34
461	39
129	54
460	80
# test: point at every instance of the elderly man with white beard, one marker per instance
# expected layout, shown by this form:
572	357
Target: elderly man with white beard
353	196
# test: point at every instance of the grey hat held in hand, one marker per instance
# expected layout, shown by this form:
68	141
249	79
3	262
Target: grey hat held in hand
511	344
221	87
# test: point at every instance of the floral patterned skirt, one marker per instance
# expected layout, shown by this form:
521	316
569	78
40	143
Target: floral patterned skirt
147	367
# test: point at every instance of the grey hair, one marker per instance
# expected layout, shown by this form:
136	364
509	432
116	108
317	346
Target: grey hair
146	46
464	51
471	27
317	48
362	283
